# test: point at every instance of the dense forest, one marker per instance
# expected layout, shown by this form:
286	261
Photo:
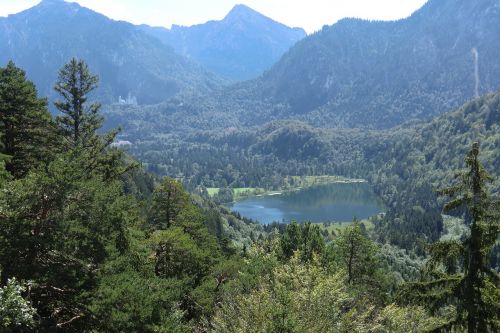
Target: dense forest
360	74
118	217
405	164
90	242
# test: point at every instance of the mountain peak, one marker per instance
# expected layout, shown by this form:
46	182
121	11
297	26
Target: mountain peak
52	8
59	4
241	8
241	11
52	2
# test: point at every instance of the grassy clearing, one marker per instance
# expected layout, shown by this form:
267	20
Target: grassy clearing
244	191
291	183
307	181
238	191
212	191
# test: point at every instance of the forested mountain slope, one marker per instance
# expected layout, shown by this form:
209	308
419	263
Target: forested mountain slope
405	164
129	61
365	74
415	161
379	74
241	46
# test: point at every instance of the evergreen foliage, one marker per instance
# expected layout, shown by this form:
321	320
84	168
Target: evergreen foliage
26	127
355	253
404	165
4	175
169	200
101	246
79	122
68	227
57	228
458	273
305	238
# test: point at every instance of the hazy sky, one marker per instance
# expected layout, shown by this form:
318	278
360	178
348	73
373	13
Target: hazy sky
308	14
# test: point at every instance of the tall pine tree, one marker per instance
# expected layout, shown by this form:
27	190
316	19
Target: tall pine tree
458	272
26	126
355	253
60	224
169	199
80	121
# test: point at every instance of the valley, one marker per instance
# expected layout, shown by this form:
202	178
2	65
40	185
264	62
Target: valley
241	175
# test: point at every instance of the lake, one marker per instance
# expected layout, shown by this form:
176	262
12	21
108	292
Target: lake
339	202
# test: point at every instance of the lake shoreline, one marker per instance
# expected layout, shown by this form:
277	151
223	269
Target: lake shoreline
294	189
304	182
333	202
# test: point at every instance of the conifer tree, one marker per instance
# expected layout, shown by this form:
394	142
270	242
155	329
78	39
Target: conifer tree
290	240
80	121
305	238
169	199
458	272
25	124
312	241
57	228
355	253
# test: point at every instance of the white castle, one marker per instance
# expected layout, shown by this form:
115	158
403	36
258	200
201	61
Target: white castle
130	100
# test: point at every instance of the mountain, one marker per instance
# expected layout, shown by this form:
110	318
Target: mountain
380	74
129	61
383	73
369	74
241	46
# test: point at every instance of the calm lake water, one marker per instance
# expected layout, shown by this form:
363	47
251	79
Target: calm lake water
325	203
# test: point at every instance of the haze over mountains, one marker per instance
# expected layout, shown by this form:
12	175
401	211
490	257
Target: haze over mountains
383	73
359	73
132	63
354	73
128	61
241	46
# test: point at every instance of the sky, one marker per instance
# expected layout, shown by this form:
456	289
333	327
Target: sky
311	15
